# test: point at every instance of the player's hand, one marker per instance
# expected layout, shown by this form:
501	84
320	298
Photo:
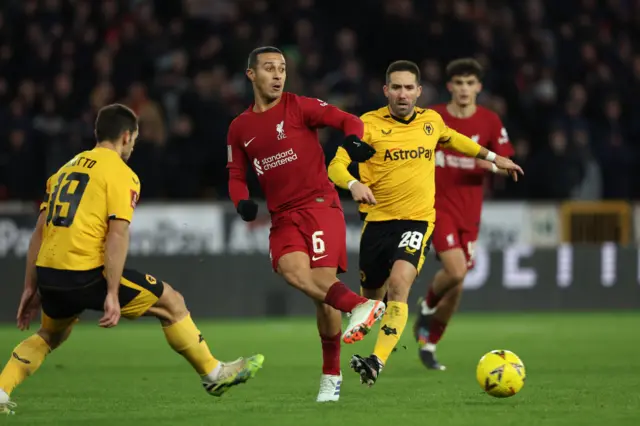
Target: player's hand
111	311
358	150
511	168
29	308
248	210
362	193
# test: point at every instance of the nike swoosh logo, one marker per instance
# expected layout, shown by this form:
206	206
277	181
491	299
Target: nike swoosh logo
135	180
246	144
319	257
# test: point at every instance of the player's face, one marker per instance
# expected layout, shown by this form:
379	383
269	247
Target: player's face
402	90
269	76
464	89
128	142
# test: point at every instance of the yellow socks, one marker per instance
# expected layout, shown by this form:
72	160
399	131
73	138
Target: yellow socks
185	338
26	358
391	328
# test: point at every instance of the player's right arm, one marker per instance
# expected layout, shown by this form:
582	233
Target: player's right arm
237	163
29	301
339	174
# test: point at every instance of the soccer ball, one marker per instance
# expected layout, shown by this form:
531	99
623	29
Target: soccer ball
501	373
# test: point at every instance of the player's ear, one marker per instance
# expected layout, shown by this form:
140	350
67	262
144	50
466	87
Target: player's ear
385	90
479	88
251	74
419	90
449	86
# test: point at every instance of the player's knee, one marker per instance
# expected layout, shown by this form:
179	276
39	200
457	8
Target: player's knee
456	272
299	277
171	306
399	287
54	338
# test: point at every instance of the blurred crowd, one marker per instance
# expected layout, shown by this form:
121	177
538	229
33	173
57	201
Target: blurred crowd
564	75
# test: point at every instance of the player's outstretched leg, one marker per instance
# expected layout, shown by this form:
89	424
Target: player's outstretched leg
402	276
28	356
442	300
329	328
185	338
323	286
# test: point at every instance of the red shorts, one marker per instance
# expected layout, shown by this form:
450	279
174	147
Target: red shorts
320	232
448	235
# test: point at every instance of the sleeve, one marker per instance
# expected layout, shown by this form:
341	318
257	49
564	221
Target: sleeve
500	143
338	169
123	194
451	139
237	164
44	205
318	113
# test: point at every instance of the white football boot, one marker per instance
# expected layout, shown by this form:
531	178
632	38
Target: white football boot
230	374
6	406
362	319
329	388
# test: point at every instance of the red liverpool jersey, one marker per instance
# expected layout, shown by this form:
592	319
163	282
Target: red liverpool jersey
459	182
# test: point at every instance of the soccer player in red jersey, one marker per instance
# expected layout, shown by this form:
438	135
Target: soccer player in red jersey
459	193
277	138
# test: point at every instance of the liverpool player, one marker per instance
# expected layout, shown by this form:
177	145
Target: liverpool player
397	184
277	138
459	190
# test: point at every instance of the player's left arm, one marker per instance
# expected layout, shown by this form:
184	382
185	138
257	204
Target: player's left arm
318	113
123	193
451	139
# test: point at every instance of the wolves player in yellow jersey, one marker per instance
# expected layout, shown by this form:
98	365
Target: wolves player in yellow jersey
398	186
76	262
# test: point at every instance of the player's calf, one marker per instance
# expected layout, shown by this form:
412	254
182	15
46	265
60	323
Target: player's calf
186	339
395	319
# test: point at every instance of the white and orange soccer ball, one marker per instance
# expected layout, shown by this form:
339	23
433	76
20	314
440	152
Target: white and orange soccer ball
501	373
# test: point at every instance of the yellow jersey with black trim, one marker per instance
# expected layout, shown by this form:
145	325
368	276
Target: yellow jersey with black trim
94	187
401	174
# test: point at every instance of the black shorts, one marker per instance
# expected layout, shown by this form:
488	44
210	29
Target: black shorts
382	243
66	294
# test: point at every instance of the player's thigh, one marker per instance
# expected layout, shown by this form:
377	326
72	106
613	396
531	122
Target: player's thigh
284	239
59	314
413	241
324	232
376	250
138	292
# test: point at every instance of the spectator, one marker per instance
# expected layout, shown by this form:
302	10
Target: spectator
567	73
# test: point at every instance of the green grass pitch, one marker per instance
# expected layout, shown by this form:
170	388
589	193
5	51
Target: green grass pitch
583	369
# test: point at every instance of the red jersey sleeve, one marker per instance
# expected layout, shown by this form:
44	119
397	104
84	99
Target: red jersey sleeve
500	143
318	113
237	162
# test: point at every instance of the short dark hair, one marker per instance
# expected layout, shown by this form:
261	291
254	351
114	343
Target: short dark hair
403	65
253	56
464	67
113	120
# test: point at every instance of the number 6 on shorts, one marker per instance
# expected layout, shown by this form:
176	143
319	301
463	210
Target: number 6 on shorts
317	242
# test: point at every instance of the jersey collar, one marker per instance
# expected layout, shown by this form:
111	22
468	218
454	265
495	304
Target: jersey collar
402	120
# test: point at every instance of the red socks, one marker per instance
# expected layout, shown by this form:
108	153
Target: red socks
342	298
436	330
432	299
331	355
